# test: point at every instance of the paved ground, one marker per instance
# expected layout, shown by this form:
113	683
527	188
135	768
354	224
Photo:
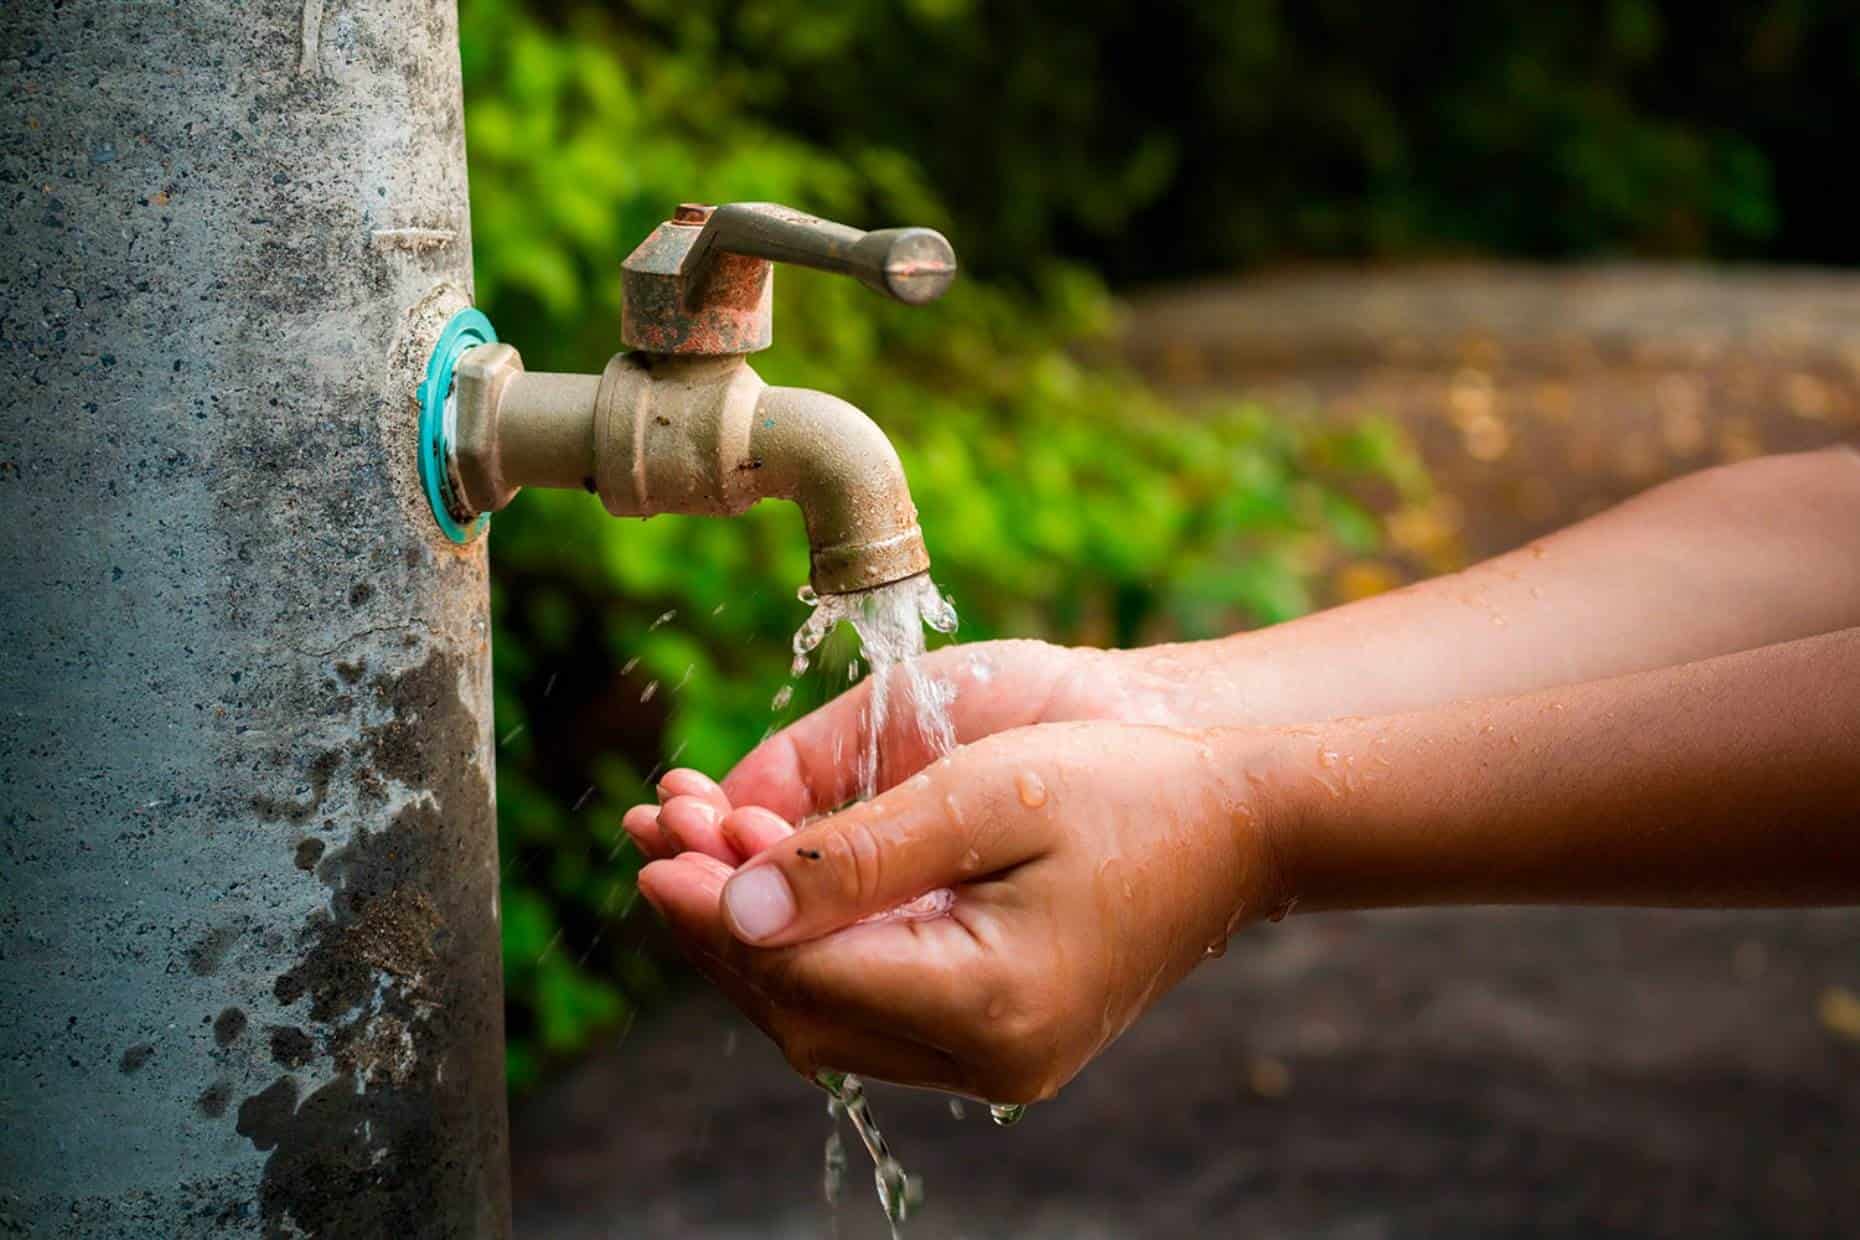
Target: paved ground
1396	1075
1471	1073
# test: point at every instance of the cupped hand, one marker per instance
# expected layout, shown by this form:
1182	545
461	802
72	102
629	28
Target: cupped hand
1087	866
812	766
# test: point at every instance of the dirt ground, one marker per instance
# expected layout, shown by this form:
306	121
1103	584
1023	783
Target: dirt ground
1462	1073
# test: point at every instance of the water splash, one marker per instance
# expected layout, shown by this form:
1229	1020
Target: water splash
890	622
1007	1114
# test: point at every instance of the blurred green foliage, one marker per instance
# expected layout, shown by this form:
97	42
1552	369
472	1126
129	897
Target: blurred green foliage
1058	499
1178	136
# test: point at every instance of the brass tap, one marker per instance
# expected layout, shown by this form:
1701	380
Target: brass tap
681	423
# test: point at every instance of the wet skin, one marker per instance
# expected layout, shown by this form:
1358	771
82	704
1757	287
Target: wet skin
1659	706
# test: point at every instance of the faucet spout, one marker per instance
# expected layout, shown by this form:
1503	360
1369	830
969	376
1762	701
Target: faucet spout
837	465
659	433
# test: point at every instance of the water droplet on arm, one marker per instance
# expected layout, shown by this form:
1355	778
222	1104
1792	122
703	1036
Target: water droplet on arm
1032	789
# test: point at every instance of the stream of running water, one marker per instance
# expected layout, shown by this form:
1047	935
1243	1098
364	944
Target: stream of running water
890	623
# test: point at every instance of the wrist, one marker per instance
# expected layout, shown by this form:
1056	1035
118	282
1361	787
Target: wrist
1264	775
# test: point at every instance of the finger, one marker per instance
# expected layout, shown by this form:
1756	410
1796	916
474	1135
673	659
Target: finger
947	826
690	824
685	782
753	830
855	1036
812	766
642	823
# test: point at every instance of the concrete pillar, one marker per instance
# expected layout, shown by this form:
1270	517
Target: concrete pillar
249	977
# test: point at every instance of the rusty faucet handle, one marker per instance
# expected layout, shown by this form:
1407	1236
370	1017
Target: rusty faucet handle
913	265
700	285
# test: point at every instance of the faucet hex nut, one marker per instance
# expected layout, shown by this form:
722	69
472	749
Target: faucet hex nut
484	374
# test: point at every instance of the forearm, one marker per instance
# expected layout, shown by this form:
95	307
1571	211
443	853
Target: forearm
1725	560
1729	782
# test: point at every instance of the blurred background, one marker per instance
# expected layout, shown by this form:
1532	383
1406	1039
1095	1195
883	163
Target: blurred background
1264	307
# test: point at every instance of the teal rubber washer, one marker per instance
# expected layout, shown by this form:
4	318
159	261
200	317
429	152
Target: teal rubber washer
467	330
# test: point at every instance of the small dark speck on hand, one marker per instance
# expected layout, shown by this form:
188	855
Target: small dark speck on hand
137	1055
812	854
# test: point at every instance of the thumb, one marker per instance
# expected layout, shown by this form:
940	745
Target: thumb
941	827
809	766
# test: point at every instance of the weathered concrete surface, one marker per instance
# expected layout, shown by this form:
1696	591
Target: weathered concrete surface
1355	1077
248	931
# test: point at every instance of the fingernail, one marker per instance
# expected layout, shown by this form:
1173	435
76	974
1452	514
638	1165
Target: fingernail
759	902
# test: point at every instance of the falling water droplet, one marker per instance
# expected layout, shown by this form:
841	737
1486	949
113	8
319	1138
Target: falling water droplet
665	618
652	687
783	696
798	668
852	671
834	1173
956	1109
1007	1114
626	669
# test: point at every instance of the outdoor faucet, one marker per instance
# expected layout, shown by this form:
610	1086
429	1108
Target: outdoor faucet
679	422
